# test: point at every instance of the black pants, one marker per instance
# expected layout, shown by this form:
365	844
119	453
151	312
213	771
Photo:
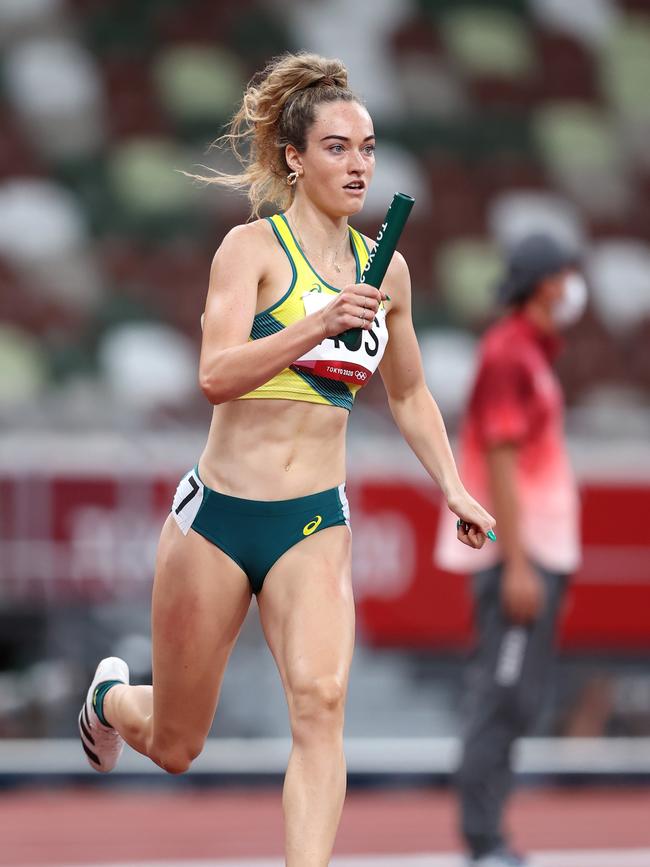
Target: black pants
507	678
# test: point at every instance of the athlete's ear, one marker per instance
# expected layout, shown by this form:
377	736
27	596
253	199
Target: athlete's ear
293	158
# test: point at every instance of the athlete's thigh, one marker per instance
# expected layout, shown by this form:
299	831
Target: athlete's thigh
200	599
307	609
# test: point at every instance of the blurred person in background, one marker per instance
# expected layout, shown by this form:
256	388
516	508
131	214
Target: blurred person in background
513	458
265	510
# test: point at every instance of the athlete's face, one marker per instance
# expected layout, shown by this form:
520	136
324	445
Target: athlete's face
339	160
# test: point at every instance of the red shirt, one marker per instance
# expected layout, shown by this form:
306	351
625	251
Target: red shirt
516	398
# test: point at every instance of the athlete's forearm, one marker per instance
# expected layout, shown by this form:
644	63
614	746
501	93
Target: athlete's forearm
420	422
501	465
235	371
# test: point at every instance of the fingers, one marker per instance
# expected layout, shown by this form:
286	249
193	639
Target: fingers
472	514
362	317
361	303
487	523
366	290
355	307
481	519
478	538
365	296
469	534
343	314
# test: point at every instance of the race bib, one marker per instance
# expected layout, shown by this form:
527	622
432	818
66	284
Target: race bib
332	359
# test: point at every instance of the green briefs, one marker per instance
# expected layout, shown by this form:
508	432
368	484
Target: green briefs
254	533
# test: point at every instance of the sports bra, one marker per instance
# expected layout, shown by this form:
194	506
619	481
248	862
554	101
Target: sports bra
331	373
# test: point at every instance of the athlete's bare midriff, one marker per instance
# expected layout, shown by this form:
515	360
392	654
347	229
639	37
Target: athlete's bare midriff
270	449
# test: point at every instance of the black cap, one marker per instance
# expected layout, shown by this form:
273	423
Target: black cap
530	261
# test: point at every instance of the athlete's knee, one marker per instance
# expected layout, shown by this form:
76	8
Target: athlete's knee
174	760
175	755
317	703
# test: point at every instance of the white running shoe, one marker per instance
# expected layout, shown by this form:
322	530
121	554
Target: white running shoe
102	744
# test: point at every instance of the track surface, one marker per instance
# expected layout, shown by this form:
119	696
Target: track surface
178	827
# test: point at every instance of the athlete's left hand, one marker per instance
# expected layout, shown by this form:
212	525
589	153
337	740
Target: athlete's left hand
474	522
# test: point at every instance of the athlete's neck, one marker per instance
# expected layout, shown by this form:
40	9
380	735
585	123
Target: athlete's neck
325	237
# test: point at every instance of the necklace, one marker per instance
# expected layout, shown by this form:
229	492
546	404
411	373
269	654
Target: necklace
334	264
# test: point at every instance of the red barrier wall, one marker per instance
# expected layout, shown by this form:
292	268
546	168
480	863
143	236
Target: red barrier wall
609	600
94	538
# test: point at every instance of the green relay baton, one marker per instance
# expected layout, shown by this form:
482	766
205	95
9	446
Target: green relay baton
379	259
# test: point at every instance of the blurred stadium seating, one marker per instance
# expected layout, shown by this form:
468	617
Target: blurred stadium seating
498	117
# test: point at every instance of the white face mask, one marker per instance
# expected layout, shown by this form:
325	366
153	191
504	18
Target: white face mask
569	309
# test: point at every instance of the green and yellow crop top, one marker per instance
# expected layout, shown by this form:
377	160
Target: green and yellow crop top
331	373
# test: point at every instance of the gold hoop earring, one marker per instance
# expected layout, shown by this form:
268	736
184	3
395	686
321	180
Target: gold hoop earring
292	178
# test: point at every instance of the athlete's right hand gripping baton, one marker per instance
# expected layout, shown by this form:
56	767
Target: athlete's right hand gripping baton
380	257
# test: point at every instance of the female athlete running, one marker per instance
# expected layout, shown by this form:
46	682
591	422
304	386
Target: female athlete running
264	511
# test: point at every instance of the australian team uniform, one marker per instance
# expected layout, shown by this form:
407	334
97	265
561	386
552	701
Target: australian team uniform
255	534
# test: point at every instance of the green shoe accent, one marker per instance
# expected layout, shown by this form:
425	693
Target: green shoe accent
98	699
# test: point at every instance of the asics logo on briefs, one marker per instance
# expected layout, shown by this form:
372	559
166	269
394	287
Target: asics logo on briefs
309	528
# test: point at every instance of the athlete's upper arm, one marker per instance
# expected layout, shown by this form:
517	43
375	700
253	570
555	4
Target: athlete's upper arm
236	271
401	367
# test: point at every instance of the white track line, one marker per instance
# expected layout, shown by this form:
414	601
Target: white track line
570	858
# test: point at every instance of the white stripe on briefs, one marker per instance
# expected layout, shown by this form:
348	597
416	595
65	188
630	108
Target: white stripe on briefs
344	504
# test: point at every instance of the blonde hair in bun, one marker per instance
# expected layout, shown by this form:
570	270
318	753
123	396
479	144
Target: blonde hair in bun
278	108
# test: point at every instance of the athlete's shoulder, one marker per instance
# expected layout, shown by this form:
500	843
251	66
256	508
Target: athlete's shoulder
248	234
246	243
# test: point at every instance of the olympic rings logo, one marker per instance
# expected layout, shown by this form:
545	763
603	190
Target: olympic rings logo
361	374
